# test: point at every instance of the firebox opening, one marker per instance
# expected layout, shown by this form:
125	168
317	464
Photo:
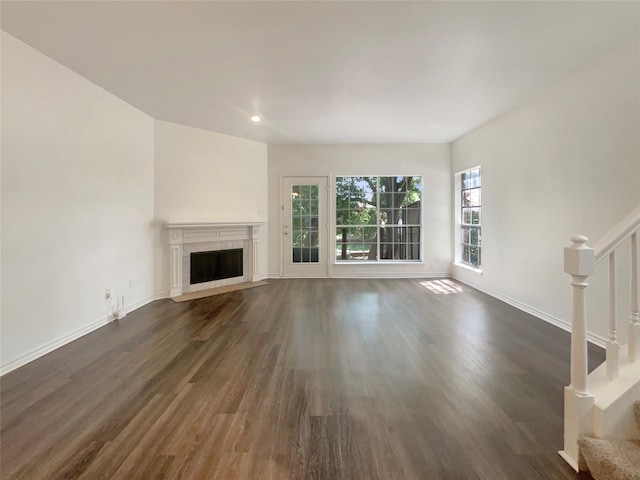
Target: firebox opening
216	265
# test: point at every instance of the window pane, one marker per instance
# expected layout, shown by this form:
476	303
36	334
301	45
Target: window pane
395	217
465	235
296	239
386	251
475	175
412	216
466	216
413	234
471	179
354	235
471	198
369	234
399	235
386	200
475	216
474	256
398	199
474	236
369	194
314	239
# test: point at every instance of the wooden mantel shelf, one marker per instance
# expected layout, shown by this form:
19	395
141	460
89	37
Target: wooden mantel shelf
244	223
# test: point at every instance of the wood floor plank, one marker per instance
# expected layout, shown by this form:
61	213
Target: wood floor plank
301	379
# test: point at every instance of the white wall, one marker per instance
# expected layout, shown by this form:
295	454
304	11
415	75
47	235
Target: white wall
430	161
77	203
566	162
203	176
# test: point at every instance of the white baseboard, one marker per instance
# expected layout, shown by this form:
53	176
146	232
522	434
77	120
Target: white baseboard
371	275
157	296
383	275
595	339
51	346
142	303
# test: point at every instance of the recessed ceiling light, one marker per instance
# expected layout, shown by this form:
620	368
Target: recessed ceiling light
255	118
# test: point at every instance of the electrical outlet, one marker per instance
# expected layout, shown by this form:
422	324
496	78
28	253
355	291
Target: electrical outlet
107	294
437	259
260	213
131	284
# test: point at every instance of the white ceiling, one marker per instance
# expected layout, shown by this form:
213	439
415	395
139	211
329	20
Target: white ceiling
325	72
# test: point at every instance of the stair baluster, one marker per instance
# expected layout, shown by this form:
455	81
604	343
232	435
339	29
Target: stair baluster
613	348
634	319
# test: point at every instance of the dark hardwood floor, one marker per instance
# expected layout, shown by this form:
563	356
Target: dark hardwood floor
301	379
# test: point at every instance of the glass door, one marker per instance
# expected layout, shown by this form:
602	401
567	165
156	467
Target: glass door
305	227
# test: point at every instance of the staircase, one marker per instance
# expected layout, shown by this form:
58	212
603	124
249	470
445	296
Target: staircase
600	423
611	459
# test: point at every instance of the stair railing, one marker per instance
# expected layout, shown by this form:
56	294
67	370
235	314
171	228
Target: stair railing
579	262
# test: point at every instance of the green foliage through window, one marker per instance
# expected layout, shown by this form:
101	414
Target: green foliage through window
378	218
470	217
305	238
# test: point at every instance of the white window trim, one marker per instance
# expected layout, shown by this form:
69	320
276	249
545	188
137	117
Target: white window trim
457	206
333	225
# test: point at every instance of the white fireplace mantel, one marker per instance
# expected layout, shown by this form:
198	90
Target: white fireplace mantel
187	235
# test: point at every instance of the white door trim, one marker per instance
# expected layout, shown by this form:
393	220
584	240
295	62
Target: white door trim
323	266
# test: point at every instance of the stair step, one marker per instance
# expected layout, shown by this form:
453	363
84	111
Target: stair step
611	459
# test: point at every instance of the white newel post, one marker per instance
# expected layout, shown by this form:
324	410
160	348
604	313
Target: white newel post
579	262
634	319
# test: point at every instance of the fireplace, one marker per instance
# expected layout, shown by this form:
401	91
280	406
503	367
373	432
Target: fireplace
211	255
215	265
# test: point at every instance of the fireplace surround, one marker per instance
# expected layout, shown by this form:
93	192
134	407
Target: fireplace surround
194	238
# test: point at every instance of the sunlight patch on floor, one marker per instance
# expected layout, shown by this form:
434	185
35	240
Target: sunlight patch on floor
442	287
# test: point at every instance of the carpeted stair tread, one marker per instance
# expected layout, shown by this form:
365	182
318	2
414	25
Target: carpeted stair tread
611	459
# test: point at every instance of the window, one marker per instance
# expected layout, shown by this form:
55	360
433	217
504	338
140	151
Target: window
470	218
378	218
305	216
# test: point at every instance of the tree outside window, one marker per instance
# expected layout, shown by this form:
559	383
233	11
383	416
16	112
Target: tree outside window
378	218
470	216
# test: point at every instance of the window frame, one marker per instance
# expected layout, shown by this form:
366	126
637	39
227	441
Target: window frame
377	261
460	223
